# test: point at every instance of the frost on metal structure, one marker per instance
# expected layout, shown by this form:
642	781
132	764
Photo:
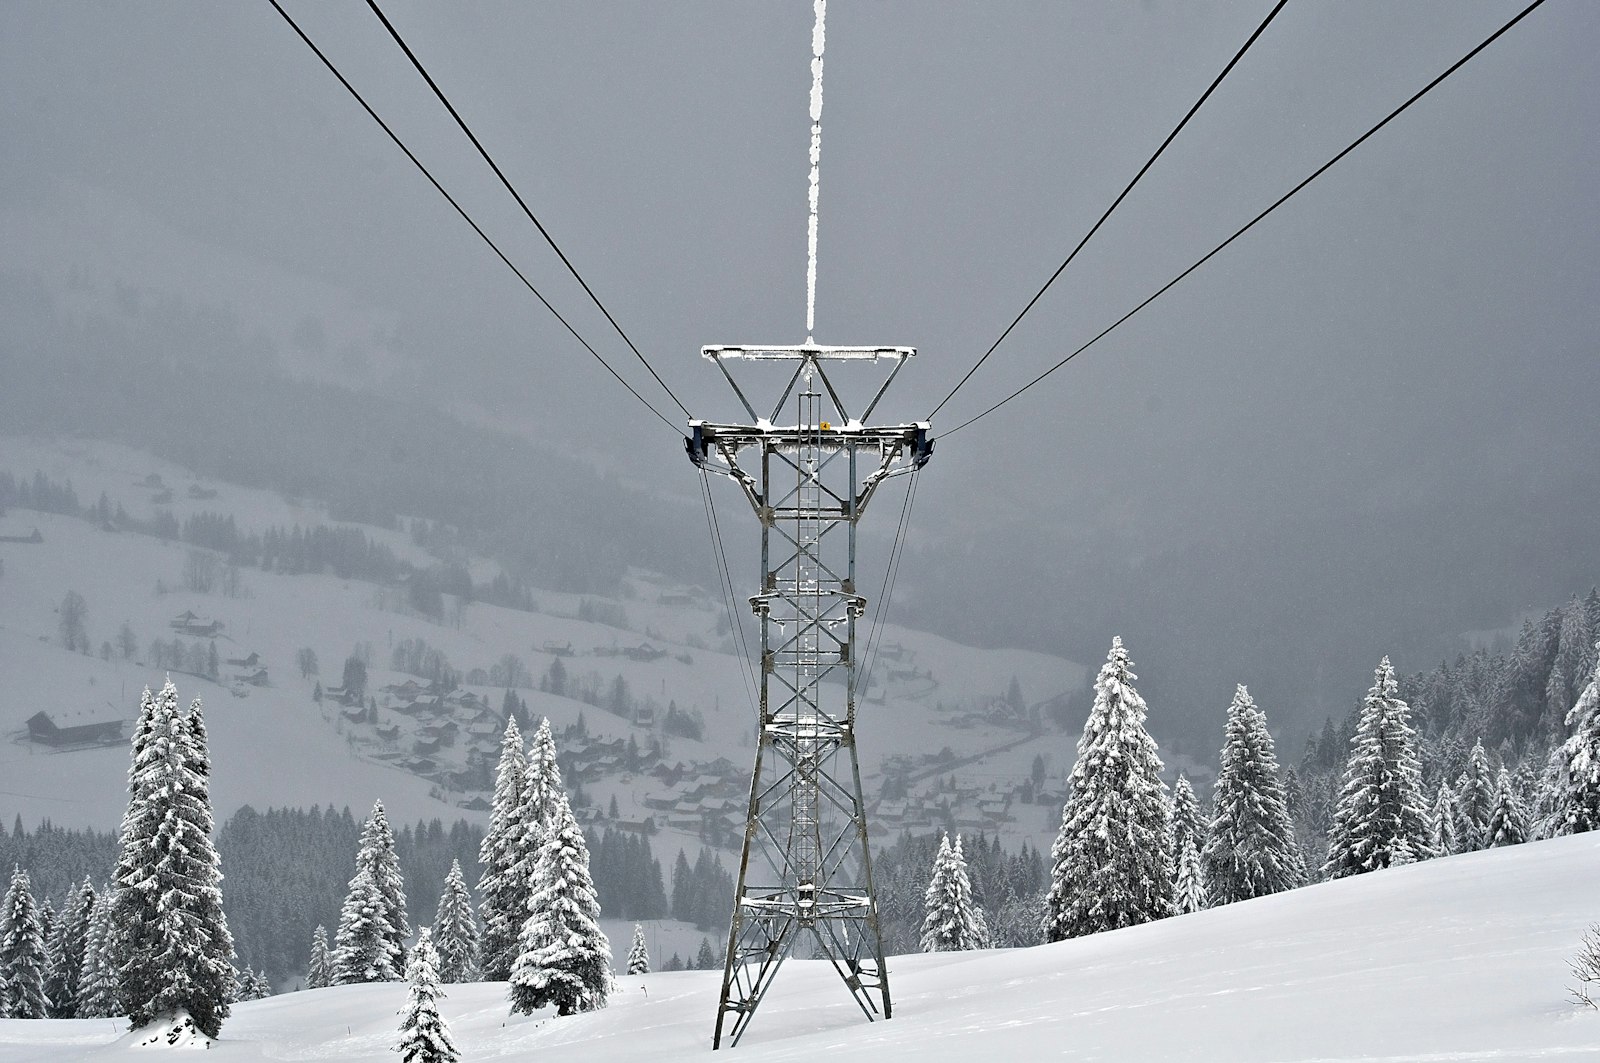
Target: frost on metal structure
805	872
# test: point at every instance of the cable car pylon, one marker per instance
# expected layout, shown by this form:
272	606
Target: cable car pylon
805	869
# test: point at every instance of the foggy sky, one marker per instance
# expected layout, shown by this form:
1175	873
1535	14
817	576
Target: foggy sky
1417	329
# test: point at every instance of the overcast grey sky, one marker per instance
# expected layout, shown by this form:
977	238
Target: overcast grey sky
1418	326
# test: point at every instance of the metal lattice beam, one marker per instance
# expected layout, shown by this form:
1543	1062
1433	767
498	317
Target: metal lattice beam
808	483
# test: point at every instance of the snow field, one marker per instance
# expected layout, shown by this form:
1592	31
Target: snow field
1463	958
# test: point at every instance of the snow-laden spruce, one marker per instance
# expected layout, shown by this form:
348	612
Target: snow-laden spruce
503	894
1443	821
67	945
22	952
1508	820
1112	865
377	855
1572	782
172	938
97	988
1250	848
563	957
364	943
319	970
251	984
542	794
1187	820
951	921
1474	794
1381	819
424	1037
1190	887
455	930
638	953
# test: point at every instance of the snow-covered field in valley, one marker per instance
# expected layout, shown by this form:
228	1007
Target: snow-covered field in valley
1463	958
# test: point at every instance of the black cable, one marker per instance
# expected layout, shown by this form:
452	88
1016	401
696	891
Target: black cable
869	657
1115	203
1429	87
517	196
725	587
462	211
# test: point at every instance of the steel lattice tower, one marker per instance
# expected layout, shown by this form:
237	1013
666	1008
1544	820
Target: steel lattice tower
805	872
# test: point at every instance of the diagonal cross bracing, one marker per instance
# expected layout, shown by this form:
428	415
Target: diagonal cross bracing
808	482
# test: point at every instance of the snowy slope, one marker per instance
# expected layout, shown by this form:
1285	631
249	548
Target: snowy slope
1456	959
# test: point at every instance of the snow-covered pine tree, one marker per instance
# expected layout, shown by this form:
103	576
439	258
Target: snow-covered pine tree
1474	790
22	952
377	855
1250	848
503	898
134	910
542	794
638	953
563	959
67	951
1191	885
1508	822
180	955
1187	821
319	971
424	1037
951	922
455	930
1572	783
1443	821
98	995
705	958
364	943
1381	819
260	987
1111	865
246	985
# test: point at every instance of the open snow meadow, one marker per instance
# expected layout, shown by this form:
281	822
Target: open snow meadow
1461	958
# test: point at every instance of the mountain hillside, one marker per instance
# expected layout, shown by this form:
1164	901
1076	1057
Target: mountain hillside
647	690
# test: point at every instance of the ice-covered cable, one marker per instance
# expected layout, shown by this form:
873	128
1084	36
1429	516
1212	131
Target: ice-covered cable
818	39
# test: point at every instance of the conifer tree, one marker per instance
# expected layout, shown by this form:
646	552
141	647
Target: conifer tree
503	899
424	1037
364	943
377	855
542	794
133	909
1381	819
1111	864
638	953
455	930
1572	783
706	958
178	952
22	952
67	946
1191	884
98	995
1508	821
1187	821
1443	820
1250	849
951	922
319	971
1474	792
563	958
